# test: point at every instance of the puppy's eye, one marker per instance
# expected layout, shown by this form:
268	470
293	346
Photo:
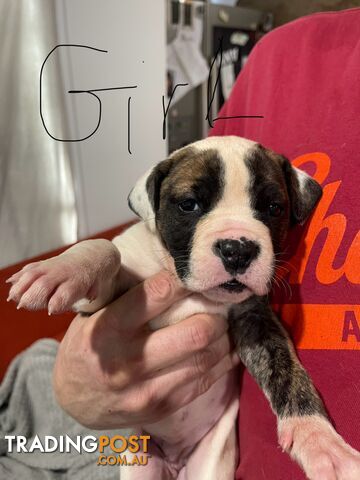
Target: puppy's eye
275	209
188	205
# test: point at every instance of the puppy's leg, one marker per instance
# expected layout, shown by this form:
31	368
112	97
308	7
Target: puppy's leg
87	271
304	430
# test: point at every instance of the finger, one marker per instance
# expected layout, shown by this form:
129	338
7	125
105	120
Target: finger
164	395
184	394
191	366
225	365
145	301
197	342
168	346
198	363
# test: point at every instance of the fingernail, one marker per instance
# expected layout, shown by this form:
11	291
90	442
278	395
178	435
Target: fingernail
160	285
164	284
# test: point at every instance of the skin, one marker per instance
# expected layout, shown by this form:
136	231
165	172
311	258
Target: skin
111	371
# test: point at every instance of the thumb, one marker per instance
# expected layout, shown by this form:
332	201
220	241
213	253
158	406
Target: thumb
147	300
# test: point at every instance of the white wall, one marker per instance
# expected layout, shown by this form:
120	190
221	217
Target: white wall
133	32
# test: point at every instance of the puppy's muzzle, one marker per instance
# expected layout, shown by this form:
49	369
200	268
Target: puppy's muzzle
236	255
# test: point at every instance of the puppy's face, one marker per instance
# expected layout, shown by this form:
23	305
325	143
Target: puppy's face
222	207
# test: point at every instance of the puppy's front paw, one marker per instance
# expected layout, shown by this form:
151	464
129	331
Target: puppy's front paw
59	282
54	284
321	452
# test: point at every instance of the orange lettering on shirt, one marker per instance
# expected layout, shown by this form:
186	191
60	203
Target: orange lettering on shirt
322	327
335	226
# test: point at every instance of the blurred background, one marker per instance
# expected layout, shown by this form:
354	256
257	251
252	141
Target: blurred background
81	122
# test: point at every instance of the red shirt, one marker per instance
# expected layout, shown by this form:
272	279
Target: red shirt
304	78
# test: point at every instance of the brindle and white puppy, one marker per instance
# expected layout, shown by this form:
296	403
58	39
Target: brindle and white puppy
215	213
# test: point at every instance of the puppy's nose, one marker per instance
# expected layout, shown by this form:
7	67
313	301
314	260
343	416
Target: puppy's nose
236	255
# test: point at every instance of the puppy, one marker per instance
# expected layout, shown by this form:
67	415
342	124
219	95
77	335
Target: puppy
215	213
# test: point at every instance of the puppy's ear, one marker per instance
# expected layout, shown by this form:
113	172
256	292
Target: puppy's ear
304	192
144	198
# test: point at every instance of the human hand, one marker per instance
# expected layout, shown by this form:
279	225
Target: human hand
111	371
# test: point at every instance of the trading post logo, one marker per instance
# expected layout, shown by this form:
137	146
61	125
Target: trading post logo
125	450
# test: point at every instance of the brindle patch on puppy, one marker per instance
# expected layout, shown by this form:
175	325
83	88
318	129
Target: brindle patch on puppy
270	185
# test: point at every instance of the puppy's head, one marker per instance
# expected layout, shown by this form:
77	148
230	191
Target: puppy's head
222	208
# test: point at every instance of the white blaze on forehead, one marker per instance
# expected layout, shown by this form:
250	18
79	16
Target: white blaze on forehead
233	151
225	144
